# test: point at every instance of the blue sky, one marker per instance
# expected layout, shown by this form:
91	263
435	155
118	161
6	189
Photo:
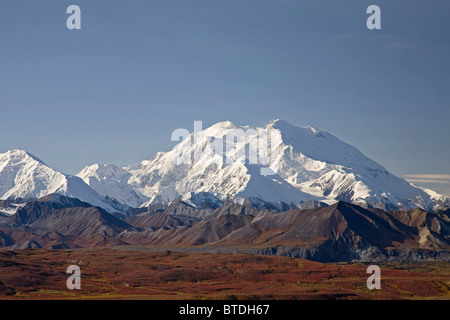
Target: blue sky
114	91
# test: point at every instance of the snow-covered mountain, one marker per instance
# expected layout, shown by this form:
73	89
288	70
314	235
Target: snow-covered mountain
307	164
112	181
279	164
23	176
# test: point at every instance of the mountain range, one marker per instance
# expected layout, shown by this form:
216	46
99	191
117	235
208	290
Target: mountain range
310	166
304	194
340	232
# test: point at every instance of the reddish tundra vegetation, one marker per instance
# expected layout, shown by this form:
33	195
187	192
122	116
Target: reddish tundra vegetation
122	273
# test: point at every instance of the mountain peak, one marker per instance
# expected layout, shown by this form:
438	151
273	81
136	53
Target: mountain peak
17	155
106	170
312	165
222	126
287	127
112	181
279	123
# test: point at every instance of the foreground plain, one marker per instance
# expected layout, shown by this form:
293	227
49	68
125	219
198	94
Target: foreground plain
120	273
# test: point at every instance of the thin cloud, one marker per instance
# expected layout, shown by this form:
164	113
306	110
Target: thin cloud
437	182
428	176
428	180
